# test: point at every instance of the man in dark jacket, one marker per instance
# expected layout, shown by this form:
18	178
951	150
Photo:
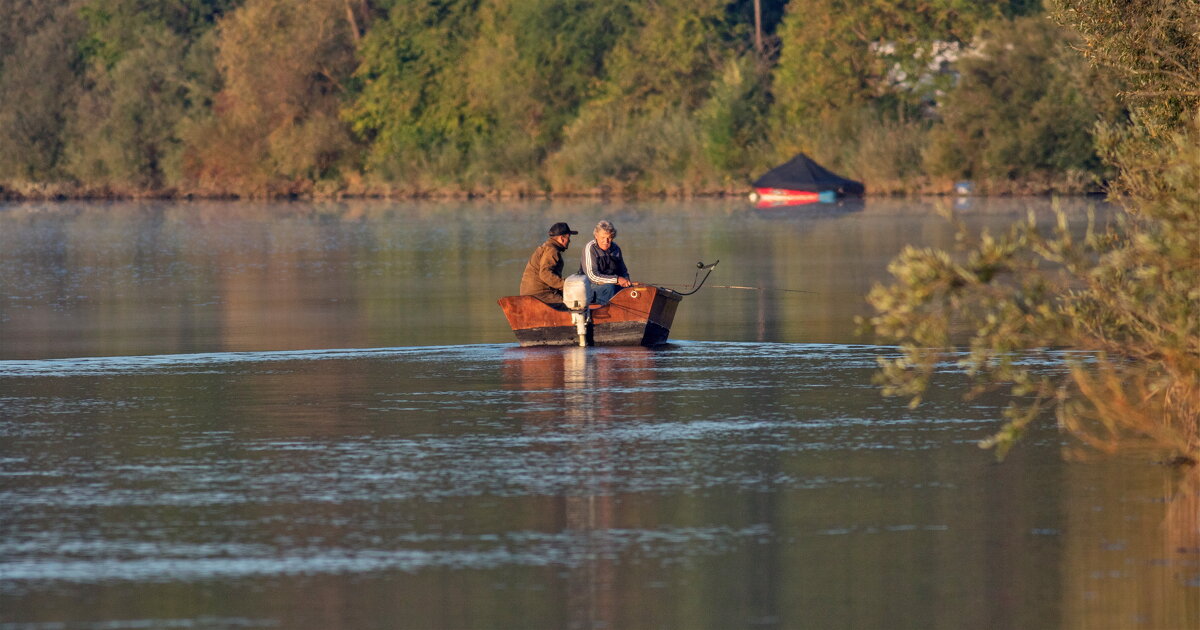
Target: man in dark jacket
543	277
604	265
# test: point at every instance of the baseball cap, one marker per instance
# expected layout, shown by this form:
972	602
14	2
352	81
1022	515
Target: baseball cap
559	229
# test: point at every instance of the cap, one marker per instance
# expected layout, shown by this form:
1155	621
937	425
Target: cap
558	229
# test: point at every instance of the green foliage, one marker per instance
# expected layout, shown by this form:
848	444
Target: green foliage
40	81
146	70
124	130
532	66
485	92
667	58
544	95
1126	297
23	18
886	152
1025	105
841	57
1129	296
1153	44
485	87
732	120
659	77
631	153
412	103
116	27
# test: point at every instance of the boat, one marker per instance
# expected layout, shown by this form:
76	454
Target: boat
780	198
640	315
799	181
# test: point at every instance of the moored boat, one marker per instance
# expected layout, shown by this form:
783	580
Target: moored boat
637	316
773	197
799	181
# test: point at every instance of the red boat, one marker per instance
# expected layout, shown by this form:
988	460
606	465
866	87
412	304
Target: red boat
786	196
637	316
801	180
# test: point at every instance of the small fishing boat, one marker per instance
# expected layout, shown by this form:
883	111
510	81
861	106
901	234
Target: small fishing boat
637	316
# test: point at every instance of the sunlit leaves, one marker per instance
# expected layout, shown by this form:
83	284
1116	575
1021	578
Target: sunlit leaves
1152	43
412	102
1129	295
276	120
147	68
255	97
1127	298
839	54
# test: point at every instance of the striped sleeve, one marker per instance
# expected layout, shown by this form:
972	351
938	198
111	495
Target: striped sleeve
589	265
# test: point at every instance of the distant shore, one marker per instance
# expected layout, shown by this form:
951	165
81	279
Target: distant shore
78	192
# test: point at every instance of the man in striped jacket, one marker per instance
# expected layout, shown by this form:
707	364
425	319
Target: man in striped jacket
604	265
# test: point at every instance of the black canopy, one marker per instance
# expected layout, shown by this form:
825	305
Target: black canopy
801	173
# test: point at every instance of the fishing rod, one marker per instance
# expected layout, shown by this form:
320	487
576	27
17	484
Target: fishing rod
707	269
697	281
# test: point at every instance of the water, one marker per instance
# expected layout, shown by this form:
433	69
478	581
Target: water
314	416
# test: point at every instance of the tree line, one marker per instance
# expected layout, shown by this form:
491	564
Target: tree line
537	97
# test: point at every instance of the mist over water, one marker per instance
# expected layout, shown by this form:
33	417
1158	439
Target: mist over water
314	416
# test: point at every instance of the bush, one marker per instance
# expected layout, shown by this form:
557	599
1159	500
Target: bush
1127	298
40	83
612	149
1024	107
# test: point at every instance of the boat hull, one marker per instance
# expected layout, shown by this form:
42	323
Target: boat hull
637	316
781	194
773	197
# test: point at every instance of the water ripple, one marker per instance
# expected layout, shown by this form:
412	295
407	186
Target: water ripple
520	547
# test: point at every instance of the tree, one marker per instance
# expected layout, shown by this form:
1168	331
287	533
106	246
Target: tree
1024	106
528	71
1128	298
132	77
479	91
1152	45
410	106
841	56
40	80
276	124
23	18
642	123
856	82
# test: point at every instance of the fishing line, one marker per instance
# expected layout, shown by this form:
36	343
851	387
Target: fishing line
698	282
725	286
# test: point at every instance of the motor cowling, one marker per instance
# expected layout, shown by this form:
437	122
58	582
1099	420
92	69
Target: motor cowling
575	296
575	292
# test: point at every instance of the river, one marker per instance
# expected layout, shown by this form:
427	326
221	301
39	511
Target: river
314	416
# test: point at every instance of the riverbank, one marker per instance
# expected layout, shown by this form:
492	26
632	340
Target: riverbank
359	189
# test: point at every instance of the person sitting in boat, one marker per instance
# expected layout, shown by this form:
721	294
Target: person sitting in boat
543	277
604	265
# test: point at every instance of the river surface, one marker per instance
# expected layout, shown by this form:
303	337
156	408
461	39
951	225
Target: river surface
314	416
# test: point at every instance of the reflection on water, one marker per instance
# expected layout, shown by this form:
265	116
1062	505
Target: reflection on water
170	278
212	417
705	484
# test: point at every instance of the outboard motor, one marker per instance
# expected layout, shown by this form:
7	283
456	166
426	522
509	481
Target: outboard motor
575	297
